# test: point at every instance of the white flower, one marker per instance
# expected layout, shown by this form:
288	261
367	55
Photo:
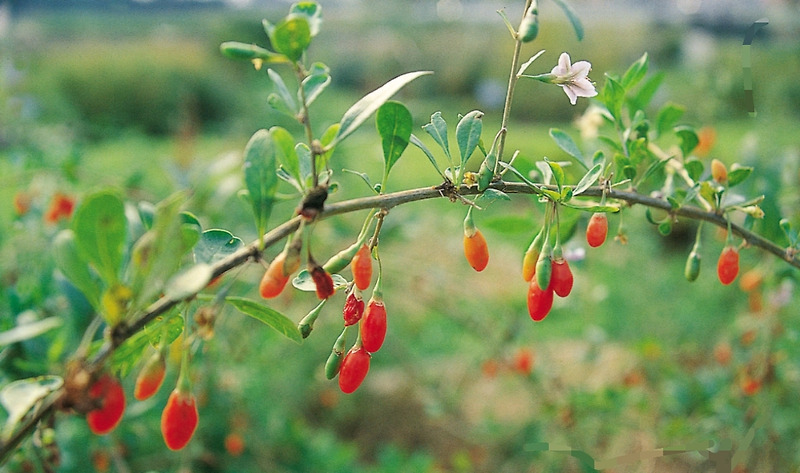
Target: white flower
573	78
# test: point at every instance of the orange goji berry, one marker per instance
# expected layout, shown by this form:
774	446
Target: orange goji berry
476	250
274	279
150	377
728	265
597	229
362	268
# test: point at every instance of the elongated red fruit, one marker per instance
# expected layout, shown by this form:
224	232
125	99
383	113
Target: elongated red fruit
109	393
150	378
354	369
353	308
179	419
539	301
597	229
728	265
362	268
476	250
373	326
561	280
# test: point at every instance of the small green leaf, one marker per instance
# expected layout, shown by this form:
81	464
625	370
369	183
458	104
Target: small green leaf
260	177
665	227
214	245
361	110
304	282
282	100
613	96
688	139
694	167
394	123
668	116
19	397
267	315
237	50
312	12
489	196
437	128
304	158
326	140
291	36
317	80
652	169
588	206
646	92
419	144
285	152
74	266
737	174
468	134
558	173
100	228
565	142
572	16
588	179
636	72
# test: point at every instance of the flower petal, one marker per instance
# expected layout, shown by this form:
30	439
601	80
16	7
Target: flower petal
581	69
583	88
573	98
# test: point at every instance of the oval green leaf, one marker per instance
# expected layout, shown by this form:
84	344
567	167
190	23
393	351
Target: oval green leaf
268	316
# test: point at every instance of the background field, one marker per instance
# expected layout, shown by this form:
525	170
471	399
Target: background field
630	362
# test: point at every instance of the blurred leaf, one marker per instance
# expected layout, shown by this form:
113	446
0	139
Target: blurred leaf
304	282
267	315
29	330
162	331
572	16
394	123
100	230
688	139
694	167
635	72
312	13
292	36
419	144
468	134
361	110
214	245
437	128
146	212
665	227
612	96
668	116
737	174
19	397
74	266
508	224
237	50
588	179
188	282
282	100
652	169
317	80
642	99
260	177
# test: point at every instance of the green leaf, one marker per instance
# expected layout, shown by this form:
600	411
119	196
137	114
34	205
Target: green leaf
237	50
419	144
591	206
312	12
572	16
652	169
394	123
694	167
588	179
317	80
468	134
260	177
285	152
565	142
304	282
19	397
214	245
737	174
291	36
161	332
71	263
668	116
326	140
646	92
613	96
488	196
304	158
29	330
267	315
558	173
282	100
437	128
687	138
188	282
361	110
636	72
100	228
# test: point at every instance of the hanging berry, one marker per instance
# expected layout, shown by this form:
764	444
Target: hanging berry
106	391
597	229
475	248
179	419
540	301
561	280
354	369
728	265
362	268
274	279
150	377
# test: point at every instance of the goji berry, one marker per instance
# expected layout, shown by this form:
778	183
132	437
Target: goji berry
354	369
373	326
61	207
540	301
362	268
544	267
728	265
179	419
561	280
692	268
523	361
323	282
597	229
274	279
718	171
532	256
353	307
234	444
108	392
476	250
150	377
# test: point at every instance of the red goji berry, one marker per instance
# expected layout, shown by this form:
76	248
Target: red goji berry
540	301
179	419
354	369
373	326
323	282
274	279
476	250
728	265
561	279
362	268
61	207
523	361
150	378
353	308
597	229
108	391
